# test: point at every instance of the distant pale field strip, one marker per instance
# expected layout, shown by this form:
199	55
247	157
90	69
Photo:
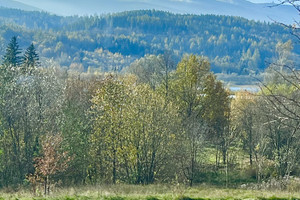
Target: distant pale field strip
154	192
249	88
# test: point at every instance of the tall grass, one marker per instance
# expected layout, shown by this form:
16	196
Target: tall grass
151	192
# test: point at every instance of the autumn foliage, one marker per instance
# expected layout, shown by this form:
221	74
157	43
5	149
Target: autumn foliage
51	161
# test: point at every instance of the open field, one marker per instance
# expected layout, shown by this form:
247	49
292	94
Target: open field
164	192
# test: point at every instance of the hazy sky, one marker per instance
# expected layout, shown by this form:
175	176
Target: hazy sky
255	1
261	1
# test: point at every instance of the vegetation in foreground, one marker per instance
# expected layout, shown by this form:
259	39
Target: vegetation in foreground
154	192
157	123
150	125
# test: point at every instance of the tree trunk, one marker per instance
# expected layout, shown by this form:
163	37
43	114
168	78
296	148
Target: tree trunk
251	160
224	152
114	166
45	185
250	147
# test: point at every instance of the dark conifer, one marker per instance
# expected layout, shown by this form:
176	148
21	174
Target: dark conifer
30	60
12	55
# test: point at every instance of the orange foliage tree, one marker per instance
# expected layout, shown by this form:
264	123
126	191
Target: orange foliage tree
52	160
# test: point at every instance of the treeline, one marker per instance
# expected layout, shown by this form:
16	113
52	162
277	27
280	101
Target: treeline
233	44
150	125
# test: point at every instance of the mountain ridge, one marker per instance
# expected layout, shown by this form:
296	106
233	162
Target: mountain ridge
242	8
17	5
232	44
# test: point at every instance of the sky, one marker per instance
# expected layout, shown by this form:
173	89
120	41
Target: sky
261	1
254	1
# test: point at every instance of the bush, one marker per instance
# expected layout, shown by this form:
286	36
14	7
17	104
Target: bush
152	198
189	198
115	198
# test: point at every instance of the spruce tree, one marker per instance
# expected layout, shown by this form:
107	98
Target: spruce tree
12	55
30	59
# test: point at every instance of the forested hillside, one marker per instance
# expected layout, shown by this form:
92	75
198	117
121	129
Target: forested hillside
160	122
244	8
112	42
133	98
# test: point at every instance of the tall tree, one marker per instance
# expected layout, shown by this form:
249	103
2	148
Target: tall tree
12	54
30	60
153	126
10	138
216	112
77	127
187	91
244	113
108	107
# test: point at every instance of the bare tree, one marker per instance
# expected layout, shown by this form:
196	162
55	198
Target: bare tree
280	97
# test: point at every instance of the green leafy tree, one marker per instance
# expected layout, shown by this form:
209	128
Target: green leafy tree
153	127
134	130
77	128
244	112
109	103
30	105
10	138
187	92
216	112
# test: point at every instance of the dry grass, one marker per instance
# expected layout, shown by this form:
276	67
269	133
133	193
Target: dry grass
164	192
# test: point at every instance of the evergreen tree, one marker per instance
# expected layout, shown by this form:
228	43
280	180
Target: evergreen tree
12	55
30	59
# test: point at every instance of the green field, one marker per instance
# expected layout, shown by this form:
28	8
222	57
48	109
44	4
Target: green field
164	192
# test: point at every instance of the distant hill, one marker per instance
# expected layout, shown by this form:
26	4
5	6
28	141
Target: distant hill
17	5
242	8
109	42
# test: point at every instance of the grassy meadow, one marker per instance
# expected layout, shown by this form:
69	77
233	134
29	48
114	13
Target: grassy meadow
152	192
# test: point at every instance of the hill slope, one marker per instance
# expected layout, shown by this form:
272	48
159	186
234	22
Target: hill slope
240	8
17	5
108	42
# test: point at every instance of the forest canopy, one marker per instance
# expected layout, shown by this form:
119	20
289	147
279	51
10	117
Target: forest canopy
158	122
112	42
123	98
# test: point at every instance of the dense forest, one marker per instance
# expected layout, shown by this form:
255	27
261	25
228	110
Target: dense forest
160	122
134	98
112	42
